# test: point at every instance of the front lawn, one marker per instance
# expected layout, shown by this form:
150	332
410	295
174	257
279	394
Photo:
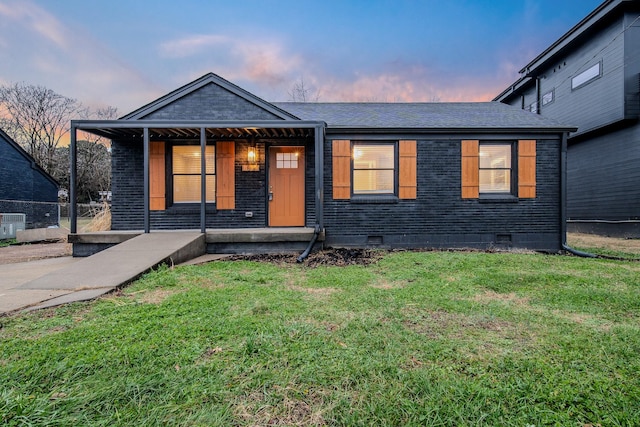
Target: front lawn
418	338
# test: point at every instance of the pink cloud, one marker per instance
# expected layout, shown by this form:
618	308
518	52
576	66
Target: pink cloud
38	20
266	63
192	45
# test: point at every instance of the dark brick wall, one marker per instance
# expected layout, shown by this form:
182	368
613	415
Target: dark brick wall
211	102
439	217
25	189
127	210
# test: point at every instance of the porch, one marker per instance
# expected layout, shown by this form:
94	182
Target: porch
229	241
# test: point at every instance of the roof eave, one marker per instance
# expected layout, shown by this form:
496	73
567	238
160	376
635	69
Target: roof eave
457	130
574	33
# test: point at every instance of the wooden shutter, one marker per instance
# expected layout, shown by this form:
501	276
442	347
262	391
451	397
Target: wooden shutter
408	175
341	169
527	169
225	175
470	169
157	198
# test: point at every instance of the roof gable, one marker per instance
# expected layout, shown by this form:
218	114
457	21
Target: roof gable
209	98
21	151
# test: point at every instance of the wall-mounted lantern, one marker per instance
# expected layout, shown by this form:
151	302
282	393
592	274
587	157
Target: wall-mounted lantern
252	155
252	159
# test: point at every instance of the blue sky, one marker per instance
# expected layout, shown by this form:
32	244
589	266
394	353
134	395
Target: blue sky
126	53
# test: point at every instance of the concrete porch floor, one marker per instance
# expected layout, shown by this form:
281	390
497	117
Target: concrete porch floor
227	240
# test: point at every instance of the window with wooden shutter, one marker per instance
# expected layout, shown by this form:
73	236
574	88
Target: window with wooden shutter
187	176
341	169
226	176
157	193
488	169
470	169
374	166
408	175
527	169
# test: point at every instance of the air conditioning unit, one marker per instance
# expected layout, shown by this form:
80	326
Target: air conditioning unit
10	223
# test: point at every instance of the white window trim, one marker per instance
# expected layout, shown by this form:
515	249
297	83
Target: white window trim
587	76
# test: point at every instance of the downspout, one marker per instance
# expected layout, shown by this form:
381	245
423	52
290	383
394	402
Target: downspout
316	233
563	202
538	103
319	193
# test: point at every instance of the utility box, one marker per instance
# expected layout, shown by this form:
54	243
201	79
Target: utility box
10	223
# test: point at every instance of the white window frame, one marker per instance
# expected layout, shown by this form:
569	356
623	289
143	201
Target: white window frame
587	76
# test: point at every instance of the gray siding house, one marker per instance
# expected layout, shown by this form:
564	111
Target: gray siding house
590	78
214	157
25	187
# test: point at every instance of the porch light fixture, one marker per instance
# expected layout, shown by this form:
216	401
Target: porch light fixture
252	156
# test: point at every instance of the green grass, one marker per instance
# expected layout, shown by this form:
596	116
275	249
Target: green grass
7	242
419	338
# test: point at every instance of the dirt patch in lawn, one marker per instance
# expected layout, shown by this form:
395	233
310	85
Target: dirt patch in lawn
335	257
31	252
611	243
490	296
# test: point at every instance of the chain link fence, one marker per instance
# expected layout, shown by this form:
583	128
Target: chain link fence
91	216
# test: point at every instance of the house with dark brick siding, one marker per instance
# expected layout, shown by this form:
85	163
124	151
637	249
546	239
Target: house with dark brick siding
214	157
25	187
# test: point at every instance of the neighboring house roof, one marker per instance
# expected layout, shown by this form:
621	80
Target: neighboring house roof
197	84
432	116
576	34
28	157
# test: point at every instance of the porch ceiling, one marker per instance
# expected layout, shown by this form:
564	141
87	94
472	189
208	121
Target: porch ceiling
184	130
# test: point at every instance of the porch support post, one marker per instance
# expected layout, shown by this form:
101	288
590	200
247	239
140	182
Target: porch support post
147	226
73	208
203	180
319	154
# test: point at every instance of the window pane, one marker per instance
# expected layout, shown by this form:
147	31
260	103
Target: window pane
495	156
373	156
495	181
372	181
186	159
587	75
186	188
287	160
210	157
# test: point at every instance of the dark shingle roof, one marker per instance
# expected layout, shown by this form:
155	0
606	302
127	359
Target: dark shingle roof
441	115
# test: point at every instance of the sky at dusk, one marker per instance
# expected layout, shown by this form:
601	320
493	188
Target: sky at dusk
126	53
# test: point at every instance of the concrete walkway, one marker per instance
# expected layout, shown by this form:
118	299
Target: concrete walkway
50	282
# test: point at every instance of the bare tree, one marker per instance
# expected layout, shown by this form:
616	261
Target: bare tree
93	165
37	118
104	113
93	169
300	92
